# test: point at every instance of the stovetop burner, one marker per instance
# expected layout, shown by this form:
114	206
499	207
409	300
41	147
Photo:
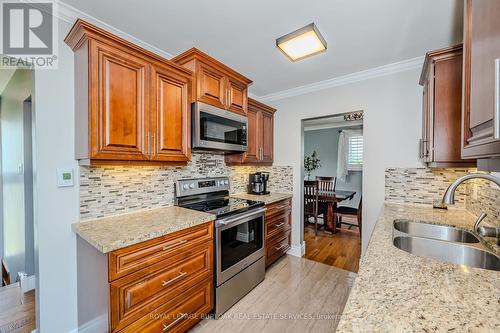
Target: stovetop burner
223	206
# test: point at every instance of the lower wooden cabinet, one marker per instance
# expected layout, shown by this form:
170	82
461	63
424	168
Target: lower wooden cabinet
278	229
161	285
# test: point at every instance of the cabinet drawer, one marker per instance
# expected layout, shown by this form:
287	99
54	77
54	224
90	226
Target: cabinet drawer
139	293
278	224
179	314
151	253
277	247
278	207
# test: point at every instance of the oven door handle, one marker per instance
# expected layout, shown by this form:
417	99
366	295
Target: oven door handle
244	217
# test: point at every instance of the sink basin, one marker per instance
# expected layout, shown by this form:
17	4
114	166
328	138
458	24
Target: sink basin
435	231
456	253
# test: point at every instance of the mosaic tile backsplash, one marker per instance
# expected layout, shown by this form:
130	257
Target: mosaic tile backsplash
111	190
425	186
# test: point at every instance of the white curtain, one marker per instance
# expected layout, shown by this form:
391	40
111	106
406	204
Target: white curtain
342	155
343	151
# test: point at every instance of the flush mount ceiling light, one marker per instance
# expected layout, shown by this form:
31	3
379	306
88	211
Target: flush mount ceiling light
302	43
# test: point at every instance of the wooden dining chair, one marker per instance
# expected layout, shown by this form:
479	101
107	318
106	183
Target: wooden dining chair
311	203
345	211
326	183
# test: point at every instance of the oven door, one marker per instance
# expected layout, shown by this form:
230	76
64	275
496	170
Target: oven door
239	243
218	129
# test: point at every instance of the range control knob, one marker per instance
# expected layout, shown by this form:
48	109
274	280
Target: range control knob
191	186
226	182
185	186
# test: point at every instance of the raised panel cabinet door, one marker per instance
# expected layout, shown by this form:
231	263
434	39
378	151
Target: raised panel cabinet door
237	99
267	137
253	136
211	86
447	109
481	58
170	115
119	104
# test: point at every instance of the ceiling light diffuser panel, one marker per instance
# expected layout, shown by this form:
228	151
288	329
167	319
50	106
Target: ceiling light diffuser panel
302	43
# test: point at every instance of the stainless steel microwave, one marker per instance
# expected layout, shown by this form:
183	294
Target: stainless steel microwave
213	128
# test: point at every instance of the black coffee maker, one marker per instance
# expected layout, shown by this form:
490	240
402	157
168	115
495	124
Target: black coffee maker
257	183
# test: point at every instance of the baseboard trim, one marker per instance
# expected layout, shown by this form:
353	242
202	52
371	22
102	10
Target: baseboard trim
297	250
99	324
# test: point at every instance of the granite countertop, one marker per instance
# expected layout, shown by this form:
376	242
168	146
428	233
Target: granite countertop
266	198
116	232
399	292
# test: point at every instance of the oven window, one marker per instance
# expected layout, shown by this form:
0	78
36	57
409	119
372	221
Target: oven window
219	129
240	241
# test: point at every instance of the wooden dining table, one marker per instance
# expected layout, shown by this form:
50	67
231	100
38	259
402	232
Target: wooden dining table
332	198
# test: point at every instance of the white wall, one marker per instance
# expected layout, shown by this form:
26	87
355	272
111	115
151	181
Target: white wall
55	208
392	128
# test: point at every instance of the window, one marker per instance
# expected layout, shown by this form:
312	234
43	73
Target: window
355	152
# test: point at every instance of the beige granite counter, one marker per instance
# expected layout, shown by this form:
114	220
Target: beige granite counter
112	233
266	198
399	292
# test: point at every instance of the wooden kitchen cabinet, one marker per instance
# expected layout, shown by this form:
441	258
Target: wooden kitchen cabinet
131	106
441	79
162	282
481	118
278	229
215	83
260	134
171	114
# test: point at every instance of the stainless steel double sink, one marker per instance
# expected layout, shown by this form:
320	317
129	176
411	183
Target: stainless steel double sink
444	243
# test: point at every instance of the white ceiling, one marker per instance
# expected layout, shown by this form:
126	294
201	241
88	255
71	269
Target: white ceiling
361	34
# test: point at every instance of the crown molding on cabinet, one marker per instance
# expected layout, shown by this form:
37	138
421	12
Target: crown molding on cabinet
371	73
70	14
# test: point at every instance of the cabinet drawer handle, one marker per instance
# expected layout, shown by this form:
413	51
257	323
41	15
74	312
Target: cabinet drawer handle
172	324
166	283
280	247
129	299
279	207
174	245
279	225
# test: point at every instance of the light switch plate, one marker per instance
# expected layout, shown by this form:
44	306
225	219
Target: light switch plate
65	177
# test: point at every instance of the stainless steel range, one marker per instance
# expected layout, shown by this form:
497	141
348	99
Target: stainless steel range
239	236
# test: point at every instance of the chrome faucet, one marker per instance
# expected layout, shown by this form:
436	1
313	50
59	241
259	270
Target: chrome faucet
449	199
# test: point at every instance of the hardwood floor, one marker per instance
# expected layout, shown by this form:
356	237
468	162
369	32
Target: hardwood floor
298	295
341	250
17	310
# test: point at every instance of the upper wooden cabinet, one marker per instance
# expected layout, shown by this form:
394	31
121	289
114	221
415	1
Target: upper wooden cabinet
260	136
481	114
442	106
215	83
132	106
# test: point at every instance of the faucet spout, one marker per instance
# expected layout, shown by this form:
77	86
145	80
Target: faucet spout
449	195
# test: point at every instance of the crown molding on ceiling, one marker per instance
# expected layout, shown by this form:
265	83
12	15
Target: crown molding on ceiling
371	73
69	14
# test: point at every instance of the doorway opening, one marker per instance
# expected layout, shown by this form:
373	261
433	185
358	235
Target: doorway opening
17	226
332	189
